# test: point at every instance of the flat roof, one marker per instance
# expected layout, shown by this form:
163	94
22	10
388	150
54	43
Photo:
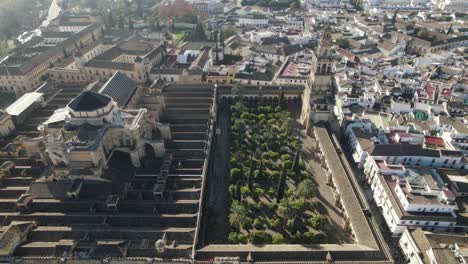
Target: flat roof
23	103
364	234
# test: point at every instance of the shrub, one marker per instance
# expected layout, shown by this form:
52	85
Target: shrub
285	157
317	222
284	150
314	238
278	239
290	224
274	145
273	206
306	189
262	176
245	116
274	155
261	116
242	238
245	191
235	174
271	192
275	175
287	164
259	192
258	237
247	224
314	205
233	238
234	163
274	223
258	223
232	189
300	205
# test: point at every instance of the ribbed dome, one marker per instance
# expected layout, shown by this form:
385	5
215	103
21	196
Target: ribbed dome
89	101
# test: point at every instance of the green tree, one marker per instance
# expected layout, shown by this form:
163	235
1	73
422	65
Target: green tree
258	237
296	165
258	223
236	174
278	239
450	29
238	215
233	238
317	222
281	185
306	189
242	238
251	173
239	191
121	22
286	210
261	172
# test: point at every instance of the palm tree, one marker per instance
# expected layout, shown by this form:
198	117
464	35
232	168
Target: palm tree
286	210
306	189
238	215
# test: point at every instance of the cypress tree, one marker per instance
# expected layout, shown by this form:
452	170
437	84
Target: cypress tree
111	20
121	22
281	185
238	191
251	173
295	165
450	30
260	170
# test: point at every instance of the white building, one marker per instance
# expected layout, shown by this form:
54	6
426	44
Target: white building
411	197
254	20
421	247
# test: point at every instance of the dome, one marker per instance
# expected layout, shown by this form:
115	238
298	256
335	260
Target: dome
89	101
